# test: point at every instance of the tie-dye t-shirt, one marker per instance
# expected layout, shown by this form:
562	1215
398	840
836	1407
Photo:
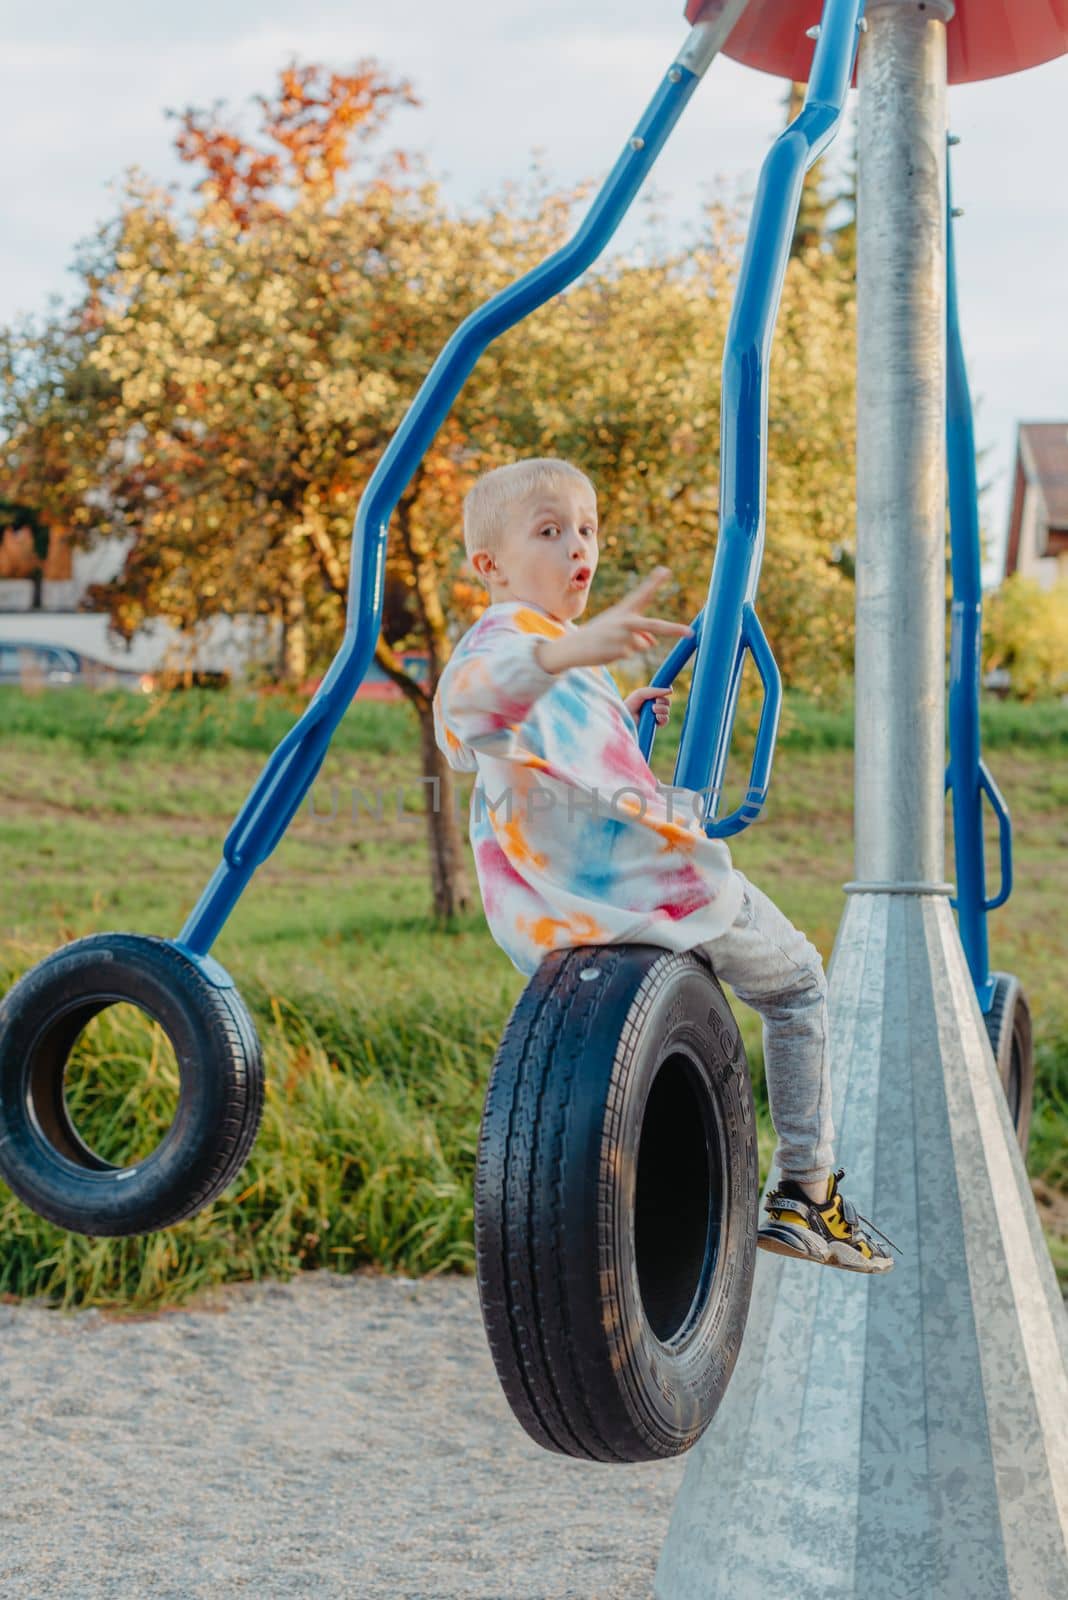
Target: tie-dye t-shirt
574	841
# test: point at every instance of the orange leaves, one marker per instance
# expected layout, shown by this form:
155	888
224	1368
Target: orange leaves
309	123
315	127
235	173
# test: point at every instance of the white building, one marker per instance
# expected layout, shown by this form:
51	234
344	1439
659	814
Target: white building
220	643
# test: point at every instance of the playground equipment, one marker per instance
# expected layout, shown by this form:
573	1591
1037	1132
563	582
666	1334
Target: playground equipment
617	1061
623	1062
1001	998
616	1199
220	1102
907	1438
177	981
616	1182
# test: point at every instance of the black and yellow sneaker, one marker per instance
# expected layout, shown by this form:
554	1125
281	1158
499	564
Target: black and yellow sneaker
827	1232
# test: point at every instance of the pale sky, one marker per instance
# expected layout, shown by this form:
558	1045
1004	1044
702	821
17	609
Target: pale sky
84	89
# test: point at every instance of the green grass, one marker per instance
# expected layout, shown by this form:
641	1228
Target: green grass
203	719
194	720
379	1029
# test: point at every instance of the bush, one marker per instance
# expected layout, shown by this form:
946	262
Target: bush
1025	631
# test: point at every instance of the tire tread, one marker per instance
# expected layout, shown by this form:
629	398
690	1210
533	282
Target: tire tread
562	1379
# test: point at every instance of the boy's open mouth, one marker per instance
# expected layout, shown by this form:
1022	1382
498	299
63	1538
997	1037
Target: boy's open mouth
580	577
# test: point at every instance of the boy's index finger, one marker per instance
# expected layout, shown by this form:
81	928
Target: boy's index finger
663	625
647	586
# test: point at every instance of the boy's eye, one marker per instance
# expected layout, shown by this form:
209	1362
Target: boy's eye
550	528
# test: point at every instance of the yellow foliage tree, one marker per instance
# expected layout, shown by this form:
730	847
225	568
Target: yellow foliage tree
1025	631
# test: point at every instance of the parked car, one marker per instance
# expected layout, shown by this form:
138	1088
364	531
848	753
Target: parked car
56	666
33	665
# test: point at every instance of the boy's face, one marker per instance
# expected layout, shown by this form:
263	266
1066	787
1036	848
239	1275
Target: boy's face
548	552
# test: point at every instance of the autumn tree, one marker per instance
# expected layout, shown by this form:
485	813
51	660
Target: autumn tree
231	377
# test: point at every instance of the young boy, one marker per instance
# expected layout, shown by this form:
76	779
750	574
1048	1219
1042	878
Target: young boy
576	844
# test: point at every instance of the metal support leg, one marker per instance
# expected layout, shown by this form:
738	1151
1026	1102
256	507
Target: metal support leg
903	1436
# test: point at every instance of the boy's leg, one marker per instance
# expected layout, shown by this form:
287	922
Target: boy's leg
772	967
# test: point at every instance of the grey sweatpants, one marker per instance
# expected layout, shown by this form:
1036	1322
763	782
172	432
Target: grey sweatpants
776	970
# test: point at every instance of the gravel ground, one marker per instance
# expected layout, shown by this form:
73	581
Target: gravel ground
342	1438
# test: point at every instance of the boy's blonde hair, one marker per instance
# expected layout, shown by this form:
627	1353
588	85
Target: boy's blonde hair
490	497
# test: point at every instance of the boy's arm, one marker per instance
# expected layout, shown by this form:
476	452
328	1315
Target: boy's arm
485	692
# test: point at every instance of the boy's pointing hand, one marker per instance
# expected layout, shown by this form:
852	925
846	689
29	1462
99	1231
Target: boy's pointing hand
621	630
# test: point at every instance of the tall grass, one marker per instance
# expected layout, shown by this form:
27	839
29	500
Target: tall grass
365	1157
1047	1151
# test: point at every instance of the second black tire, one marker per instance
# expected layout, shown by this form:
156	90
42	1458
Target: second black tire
42	1157
1008	1026
616	1202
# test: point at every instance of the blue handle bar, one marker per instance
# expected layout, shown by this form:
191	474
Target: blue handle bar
967	775
663	678
753	639
1001	811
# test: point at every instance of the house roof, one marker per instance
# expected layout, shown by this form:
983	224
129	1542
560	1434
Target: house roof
1044	452
1041	464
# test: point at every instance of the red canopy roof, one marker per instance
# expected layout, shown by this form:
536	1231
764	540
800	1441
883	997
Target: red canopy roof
985	39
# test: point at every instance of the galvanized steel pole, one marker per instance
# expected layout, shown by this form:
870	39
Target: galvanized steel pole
904	1435
901	466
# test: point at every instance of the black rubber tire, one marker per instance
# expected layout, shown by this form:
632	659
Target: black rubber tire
1008	1026
220	1100
616	1202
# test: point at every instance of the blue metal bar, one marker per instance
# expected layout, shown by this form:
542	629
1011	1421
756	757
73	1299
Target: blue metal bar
754	640
662	678
1001	811
292	767
732	626
966	774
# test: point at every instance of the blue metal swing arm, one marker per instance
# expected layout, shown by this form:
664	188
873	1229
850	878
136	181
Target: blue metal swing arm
967	774
730	625
291	769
